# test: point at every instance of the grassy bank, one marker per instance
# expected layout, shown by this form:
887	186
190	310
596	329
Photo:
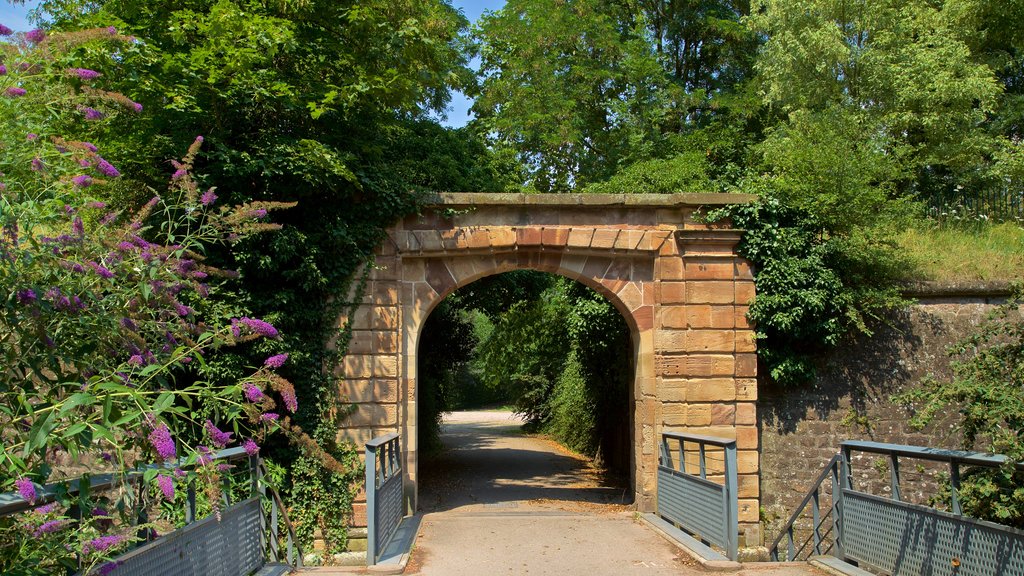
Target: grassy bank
979	252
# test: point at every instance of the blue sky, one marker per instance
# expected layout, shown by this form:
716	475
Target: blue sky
458	110
14	17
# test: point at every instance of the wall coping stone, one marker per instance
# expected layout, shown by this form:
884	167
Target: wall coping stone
650	200
966	288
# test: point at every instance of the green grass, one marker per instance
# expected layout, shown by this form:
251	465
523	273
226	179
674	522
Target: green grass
950	253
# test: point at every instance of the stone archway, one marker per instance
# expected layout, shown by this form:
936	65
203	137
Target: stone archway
678	282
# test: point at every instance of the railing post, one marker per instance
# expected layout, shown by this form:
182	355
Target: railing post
701	455
371	506
816	519
954	487
190	506
843	482
666	454
731	502
894	476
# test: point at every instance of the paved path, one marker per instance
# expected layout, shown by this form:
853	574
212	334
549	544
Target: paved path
500	502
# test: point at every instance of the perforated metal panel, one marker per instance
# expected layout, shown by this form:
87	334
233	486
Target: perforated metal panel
228	547
389	510
905	539
696	504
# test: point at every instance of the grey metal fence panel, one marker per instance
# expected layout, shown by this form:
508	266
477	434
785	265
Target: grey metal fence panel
389	510
229	546
693	503
385	505
901	538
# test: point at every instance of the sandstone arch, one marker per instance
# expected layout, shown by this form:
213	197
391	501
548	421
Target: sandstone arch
678	282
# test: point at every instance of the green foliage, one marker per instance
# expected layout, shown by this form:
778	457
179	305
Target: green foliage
446	346
987	391
681	173
814	287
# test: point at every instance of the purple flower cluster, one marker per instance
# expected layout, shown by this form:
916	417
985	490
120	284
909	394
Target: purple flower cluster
219	437
82	181
162	442
106	168
30	136
35	36
166	484
50	527
269	416
276	361
290	401
91	113
5	31
26	489
84	73
253	393
102	271
179	174
37	164
3	70
251	448
26	296
204	455
43	510
103	543
208	198
14	92
258	326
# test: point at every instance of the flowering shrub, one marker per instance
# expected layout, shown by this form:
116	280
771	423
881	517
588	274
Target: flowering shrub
103	323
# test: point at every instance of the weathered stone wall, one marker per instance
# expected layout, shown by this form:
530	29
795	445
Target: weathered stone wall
801	428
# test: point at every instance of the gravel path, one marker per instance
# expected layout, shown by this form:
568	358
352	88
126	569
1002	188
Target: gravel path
501	502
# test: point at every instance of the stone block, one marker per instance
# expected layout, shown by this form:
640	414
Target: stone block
529	237
746	365
695	365
672	389
672	317
671	292
439	277
748	486
644	318
603	239
709	340
673	414
555	237
724	414
746	461
707	316
579	238
744	292
742	322
501	237
746	413
370	366
746	436
710	292
711	390
668	268
368	415
750	510
708	269
698	415
630	296
746	389
746	341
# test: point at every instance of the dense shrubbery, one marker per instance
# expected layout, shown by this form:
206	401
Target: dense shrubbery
108	316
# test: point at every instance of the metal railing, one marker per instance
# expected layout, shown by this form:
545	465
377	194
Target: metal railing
706	509
239	539
893	536
384	497
801	545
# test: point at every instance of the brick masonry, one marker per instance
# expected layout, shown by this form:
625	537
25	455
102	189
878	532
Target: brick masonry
678	282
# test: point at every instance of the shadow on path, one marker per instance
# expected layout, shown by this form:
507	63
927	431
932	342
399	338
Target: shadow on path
487	460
